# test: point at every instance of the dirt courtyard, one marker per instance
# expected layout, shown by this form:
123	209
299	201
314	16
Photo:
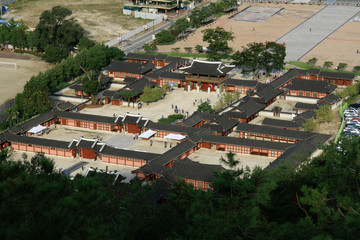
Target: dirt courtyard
102	19
340	47
269	29
12	81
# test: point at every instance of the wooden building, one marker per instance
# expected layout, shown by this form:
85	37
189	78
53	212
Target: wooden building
246	110
93	122
266	133
310	88
121	69
206	75
338	78
238	85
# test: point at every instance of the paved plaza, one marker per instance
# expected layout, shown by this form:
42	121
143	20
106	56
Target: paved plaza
62	163
162	108
212	156
313	31
256	14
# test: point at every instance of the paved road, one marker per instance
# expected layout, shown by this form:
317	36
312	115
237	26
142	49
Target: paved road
136	44
313	31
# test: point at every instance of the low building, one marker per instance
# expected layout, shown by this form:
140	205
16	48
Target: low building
238	85
206	75
267	133
121	69
310	88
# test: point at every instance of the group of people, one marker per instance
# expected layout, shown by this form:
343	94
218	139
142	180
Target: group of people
136	136
177	110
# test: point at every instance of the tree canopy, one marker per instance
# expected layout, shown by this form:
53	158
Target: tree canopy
320	199
218	42
257	56
57	28
151	94
205	107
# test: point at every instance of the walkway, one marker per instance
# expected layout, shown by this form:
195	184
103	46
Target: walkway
313	31
74	167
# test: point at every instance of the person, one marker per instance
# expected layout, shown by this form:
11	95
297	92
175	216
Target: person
165	144
172	106
134	137
253	29
194	104
357	51
195	99
310	30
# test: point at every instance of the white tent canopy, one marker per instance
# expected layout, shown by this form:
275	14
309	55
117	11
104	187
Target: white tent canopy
147	134
174	136
37	129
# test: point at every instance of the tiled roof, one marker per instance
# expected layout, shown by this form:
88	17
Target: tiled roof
146	156
240	82
288	76
311	85
308	106
130	67
204	68
37	141
276	132
249	106
280	123
171	128
306	115
85	117
330	98
173	75
188	169
197	117
64	106
138	86
300	150
246	142
336	75
268	92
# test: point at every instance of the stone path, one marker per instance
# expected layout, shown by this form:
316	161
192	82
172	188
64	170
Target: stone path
310	33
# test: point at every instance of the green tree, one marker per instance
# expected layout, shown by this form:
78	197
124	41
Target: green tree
149	47
91	86
54	54
357	68
342	66
309	125
258	56
188	49
199	48
19	38
328	64
57	28
180	25
218	42
312	61
165	37
128	95
84	43
226	99
324	114
151	94
205	107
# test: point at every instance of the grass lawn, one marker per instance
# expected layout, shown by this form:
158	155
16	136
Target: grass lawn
185	55
308	66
